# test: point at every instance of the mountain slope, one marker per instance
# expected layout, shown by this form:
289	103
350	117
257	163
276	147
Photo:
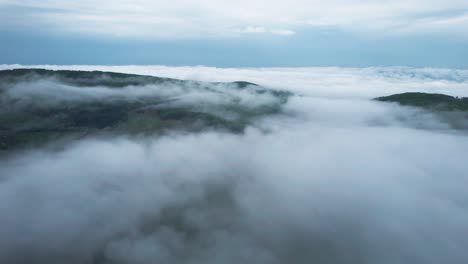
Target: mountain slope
440	102
447	109
43	106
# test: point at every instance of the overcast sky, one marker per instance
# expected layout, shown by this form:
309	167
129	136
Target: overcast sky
236	33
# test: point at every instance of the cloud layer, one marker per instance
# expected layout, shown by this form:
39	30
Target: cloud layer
209	18
337	179
317	81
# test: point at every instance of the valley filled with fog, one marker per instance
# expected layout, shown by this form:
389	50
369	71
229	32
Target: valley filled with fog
232	165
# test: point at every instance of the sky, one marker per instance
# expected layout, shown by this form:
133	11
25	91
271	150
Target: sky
254	33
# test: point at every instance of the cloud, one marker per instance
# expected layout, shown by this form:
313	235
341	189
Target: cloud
52	92
315	81
209	18
254	29
337	179
283	32
279	32
441	24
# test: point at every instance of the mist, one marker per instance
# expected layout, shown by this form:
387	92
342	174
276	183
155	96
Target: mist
334	178
328	82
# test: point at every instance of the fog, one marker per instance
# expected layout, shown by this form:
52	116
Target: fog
334	179
315	81
52	92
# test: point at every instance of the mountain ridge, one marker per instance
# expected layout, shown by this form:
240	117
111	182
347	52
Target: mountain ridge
41	106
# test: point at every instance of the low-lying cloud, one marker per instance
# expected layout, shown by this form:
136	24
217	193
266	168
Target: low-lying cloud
335	180
47	92
314	81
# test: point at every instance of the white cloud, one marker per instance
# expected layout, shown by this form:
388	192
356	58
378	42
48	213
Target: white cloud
257	30
317	81
211	18
283	32
254	29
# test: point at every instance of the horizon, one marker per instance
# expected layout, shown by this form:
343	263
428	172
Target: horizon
84	67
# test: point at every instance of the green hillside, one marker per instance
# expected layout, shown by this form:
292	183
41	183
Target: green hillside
429	101
96	103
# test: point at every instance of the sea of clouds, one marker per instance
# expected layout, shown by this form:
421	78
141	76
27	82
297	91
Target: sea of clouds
338	178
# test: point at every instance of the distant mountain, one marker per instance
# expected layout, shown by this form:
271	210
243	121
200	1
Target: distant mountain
94	78
42	106
440	102
450	110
